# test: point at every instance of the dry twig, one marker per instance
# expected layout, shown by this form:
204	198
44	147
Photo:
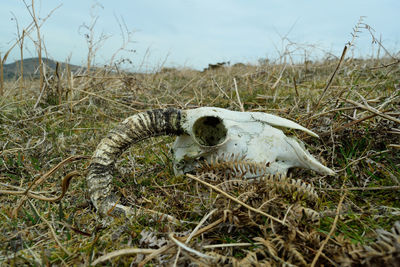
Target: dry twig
371	109
333	227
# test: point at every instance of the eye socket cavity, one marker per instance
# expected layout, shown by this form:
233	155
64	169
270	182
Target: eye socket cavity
209	131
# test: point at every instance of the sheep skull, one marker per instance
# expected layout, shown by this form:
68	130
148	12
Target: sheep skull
202	133
215	132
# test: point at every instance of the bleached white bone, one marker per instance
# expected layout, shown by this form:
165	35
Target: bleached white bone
250	134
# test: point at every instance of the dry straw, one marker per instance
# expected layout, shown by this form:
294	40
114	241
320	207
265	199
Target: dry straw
217	217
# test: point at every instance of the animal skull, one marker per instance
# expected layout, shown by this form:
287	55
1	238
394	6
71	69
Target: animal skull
215	132
202	133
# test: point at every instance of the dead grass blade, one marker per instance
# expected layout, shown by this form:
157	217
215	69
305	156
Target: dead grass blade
53	233
333	227
183	239
332	76
188	249
238	96
122	252
64	188
43	178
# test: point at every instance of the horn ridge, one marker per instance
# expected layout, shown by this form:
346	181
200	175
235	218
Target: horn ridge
132	130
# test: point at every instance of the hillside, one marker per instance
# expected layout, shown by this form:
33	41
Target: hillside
31	66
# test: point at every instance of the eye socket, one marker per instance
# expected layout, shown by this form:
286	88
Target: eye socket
209	131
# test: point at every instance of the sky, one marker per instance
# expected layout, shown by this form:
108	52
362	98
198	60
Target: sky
194	33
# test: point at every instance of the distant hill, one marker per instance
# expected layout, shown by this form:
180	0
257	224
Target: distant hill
31	66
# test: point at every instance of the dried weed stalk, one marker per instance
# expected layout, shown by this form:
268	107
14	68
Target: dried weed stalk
223	217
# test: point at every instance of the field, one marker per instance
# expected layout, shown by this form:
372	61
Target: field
47	137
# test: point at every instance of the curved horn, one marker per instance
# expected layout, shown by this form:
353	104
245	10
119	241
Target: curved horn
132	130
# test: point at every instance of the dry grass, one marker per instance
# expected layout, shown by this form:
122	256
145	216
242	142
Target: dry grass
212	217
357	120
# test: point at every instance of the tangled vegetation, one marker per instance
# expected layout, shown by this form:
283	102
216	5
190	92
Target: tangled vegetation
212	217
272	220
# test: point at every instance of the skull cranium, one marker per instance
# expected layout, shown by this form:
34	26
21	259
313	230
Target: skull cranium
214	132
